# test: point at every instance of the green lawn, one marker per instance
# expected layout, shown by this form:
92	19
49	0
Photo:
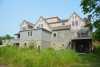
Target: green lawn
27	57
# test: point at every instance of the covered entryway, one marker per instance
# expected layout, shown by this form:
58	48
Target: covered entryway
82	45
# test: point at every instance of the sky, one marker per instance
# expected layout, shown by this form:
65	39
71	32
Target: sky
13	12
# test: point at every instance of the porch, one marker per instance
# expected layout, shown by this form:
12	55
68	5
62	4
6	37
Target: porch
82	45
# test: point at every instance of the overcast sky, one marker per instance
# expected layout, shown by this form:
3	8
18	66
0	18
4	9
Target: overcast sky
12	12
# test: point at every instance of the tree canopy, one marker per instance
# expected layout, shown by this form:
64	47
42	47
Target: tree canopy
7	36
91	8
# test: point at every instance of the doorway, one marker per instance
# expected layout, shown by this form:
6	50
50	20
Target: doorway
82	45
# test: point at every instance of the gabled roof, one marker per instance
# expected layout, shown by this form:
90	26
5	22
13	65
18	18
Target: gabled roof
41	17
44	19
54	19
74	13
27	22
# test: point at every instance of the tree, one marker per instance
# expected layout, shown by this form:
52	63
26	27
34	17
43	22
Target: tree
91	8
88	24
0	40
95	36
7	36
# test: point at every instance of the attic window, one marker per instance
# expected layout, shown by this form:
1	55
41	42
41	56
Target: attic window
76	23
72	23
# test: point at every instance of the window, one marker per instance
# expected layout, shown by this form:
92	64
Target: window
85	34
25	44
41	25
76	23
72	23
18	36
82	34
16	44
30	33
54	34
38	27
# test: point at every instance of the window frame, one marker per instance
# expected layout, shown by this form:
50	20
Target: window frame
29	33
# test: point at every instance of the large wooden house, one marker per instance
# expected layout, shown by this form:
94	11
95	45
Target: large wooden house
55	33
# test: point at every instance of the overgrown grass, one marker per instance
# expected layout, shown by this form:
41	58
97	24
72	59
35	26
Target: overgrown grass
26	57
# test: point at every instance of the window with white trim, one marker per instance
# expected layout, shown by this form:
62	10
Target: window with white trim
30	33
